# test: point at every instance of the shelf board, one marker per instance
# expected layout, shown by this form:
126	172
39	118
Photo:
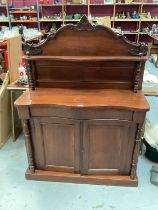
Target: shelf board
152	4
142	33
149	20
73	20
23	12
86	58
47	20
110	4
49	5
4	21
128	32
134	32
75	4
134	3
24	21
125	20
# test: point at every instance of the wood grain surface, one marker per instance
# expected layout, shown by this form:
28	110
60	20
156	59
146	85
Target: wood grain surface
119	99
84	112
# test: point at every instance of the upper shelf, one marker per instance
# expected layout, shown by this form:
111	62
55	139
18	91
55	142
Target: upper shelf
49	5
24	21
95	4
4	21
50	20
23	12
87	58
133	20
125	20
136	3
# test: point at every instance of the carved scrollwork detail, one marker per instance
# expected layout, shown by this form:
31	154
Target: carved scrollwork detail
84	24
139	137
137	77
28	143
30	75
139	50
30	50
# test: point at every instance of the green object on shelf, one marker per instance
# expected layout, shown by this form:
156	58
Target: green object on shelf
76	1
77	16
68	17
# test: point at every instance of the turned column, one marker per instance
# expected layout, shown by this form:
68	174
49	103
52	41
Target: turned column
136	151
29	149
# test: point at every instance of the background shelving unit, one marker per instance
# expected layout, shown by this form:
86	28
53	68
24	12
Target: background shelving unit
4	11
56	13
18	15
50	13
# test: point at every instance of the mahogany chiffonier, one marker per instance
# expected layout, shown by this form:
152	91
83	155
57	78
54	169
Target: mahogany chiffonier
83	114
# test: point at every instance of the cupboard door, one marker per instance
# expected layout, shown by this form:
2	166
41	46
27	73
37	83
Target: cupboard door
56	144
107	147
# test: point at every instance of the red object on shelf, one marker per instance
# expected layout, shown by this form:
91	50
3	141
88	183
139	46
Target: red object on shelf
41	1
6	59
24	12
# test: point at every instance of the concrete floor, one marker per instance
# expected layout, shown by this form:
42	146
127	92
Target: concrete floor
16	193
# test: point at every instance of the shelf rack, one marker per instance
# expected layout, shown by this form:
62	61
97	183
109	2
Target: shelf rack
88	8
5	6
10	5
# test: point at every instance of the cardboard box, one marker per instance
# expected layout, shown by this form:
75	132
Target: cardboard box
5	112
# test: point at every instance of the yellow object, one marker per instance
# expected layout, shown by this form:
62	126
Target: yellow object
105	21
128	1
76	1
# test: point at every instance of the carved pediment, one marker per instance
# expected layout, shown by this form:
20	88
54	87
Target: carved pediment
108	39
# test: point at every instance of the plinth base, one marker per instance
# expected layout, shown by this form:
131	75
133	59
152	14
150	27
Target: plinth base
41	175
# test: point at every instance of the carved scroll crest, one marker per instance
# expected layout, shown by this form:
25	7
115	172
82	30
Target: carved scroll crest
139	49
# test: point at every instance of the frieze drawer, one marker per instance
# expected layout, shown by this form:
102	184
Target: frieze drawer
81	113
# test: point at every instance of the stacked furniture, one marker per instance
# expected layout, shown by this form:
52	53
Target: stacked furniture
83	115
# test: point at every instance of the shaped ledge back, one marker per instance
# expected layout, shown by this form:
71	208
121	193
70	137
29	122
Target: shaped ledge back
85	39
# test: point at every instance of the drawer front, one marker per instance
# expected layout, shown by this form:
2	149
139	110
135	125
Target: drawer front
85	113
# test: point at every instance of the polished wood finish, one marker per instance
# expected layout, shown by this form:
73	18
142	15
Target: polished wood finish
84	74
86	56
42	175
81	118
119	99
